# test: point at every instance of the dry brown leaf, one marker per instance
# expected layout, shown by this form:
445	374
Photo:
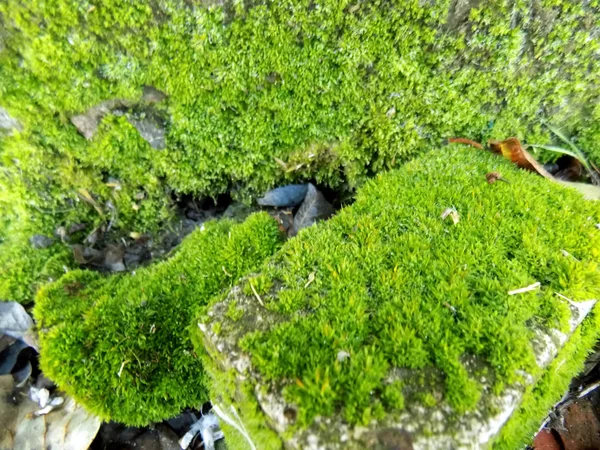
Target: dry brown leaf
512	149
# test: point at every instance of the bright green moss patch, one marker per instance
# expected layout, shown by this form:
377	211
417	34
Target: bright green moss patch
278	91
120	345
407	308
540	399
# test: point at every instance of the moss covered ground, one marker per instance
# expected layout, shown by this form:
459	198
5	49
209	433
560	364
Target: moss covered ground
120	345
388	306
259	93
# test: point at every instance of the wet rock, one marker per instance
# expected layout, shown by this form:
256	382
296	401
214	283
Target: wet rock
87	123
314	207
151	130
40	241
284	196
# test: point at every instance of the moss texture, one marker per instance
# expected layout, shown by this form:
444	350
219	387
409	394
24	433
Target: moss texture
540	399
120	345
263	92
24	268
396	289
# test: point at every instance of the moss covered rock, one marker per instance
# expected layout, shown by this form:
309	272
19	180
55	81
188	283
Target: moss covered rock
120	345
390	323
259	92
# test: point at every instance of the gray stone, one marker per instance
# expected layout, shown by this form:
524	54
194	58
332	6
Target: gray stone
153	95
40	241
87	123
151	130
417	427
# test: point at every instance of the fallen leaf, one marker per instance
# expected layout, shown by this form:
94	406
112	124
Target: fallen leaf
113	258
465	141
208	427
313	208
570	169
40	241
452	213
311	278
512	149
342	356
284	196
14	320
492	177
69	427
281	163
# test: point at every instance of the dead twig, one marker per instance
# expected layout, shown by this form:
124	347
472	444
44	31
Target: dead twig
531	287
256	294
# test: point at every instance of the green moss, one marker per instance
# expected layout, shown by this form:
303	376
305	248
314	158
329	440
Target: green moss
24	269
333	91
234	312
392	396
398	288
120	345
539	399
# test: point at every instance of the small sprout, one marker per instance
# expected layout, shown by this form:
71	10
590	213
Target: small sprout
531	287
121	369
452	213
311	278
391	112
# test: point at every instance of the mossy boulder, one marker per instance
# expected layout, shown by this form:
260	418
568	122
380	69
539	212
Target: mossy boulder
390	323
255	94
120	345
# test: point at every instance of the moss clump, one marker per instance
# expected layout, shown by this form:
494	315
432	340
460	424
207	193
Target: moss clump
288	90
120	345
539	399
400	293
24	268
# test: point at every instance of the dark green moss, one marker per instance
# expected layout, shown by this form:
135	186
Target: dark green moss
24	268
120	345
398	288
